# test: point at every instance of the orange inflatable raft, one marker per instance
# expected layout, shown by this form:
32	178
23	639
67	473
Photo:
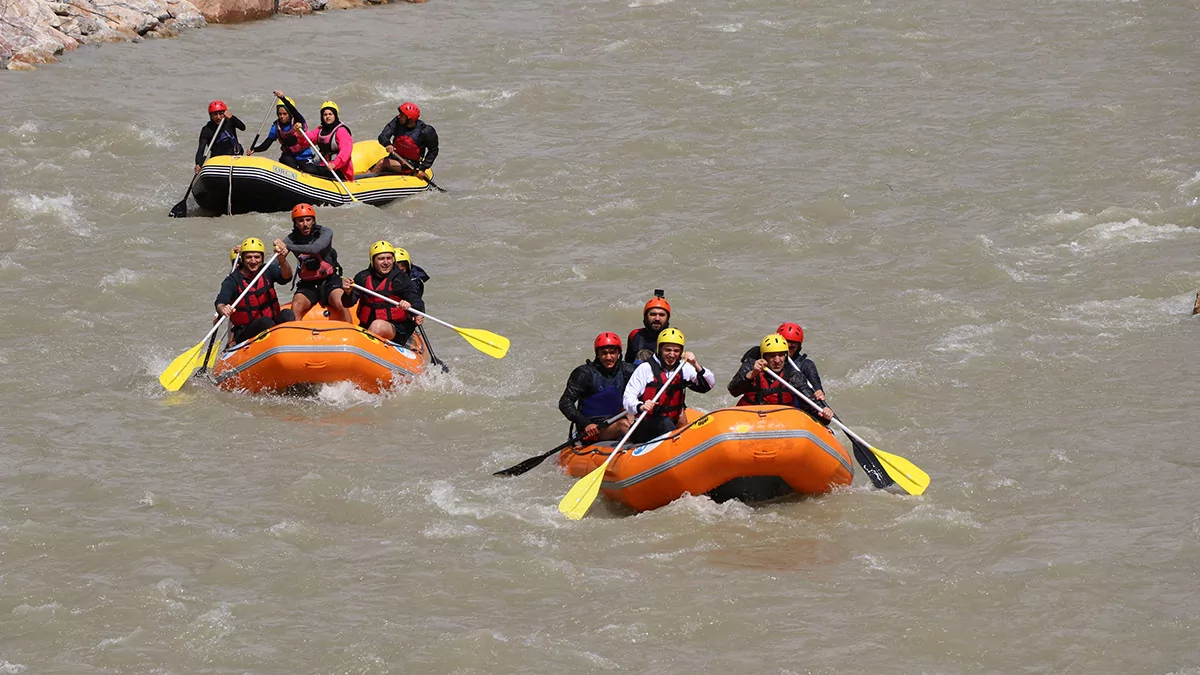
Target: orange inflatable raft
752	453
318	350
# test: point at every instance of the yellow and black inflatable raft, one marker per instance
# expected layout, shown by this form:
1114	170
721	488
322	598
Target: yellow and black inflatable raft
266	186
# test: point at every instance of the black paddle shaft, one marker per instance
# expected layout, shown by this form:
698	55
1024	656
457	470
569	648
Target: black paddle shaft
529	464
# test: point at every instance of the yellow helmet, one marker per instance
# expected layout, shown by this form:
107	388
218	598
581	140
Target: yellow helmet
253	245
233	254
671	336
331	104
381	247
773	343
402	254
279	102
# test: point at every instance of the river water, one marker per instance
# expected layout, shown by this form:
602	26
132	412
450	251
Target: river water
984	214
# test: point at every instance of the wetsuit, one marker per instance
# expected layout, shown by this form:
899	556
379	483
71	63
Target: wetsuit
593	392
226	143
317	266
424	135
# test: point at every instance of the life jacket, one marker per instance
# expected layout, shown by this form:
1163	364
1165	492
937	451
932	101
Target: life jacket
607	391
769	391
639	339
260	301
371	308
291	143
226	142
324	268
407	148
328	144
671	403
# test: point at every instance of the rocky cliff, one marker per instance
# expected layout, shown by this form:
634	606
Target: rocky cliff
38	31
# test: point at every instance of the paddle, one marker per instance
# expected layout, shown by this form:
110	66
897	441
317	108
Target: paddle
207	362
580	497
304	133
487	342
529	464
429	345
173	377
866	460
429	180
180	209
906	474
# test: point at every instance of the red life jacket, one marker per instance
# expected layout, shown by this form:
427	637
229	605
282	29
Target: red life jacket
769	391
371	307
323	270
671	403
406	147
260	301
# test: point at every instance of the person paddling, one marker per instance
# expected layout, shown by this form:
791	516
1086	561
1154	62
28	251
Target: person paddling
226	142
594	390
410	137
757	388
663	417
287	127
335	142
380	317
316	266
794	334
259	310
656	317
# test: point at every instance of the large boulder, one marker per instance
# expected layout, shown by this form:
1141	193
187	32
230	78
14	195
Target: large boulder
234	11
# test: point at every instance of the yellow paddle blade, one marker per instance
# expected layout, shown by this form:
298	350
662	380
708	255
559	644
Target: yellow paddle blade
906	474
182	368
487	342
213	355
580	497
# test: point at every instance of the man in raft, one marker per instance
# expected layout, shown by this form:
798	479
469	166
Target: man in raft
594	390
757	388
794	334
380	317
663	416
259	310
316	266
226	142
410	137
656	317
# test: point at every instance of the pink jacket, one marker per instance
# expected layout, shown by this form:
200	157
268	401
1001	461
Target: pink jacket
343	161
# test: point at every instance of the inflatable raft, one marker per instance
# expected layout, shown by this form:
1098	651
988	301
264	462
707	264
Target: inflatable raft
317	350
264	185
751	453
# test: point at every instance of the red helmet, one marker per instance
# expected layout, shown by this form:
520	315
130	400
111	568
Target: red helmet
217	106
659	302
791	331
301	210
607	339
410	110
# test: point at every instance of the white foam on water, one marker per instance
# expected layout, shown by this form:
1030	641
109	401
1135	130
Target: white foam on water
61	208
968	339
25	609
729	27
992	251
930	513
25	131
156	137
945	306
443	495
1130	313
649	3
8	667
1194	180
1132	231
109	642
1059	218
482	98
880	370
284	527
614	46
147	499
627	204
122	277
7	263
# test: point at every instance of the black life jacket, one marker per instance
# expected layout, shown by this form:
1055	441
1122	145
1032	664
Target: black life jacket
607	392
260	301
326	261
769	391
671	403
371	308
642	338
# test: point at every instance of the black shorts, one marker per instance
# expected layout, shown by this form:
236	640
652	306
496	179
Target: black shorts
318	291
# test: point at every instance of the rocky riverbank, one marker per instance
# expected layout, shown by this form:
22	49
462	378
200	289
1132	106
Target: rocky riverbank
33	32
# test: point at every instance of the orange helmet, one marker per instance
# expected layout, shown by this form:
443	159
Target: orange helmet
659	302
301	210
410	111
791	331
